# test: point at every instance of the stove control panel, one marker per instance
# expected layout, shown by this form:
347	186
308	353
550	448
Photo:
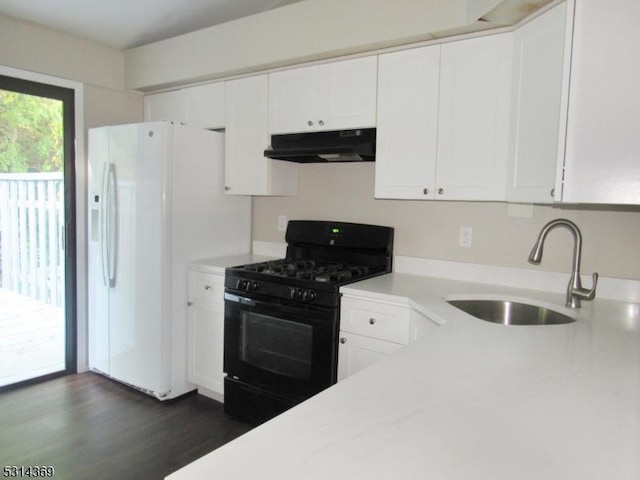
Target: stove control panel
315	294
247	285
302	294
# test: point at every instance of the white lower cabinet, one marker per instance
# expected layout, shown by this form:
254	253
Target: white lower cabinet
370	330
206	331
357	352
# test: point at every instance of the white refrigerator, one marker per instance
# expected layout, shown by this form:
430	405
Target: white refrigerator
156	201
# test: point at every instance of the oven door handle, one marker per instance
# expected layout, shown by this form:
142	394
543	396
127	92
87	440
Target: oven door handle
230	297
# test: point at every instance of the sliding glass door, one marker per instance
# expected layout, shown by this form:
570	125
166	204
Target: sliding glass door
37	232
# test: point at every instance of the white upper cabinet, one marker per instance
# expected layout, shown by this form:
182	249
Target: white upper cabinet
165	106
443	128
602	159
407	130
204	105
473	121
332	96
201	106
247	170
540	66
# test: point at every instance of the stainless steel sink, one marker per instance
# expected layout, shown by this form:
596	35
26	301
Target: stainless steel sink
511	313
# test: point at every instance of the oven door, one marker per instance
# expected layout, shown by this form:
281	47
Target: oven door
282	347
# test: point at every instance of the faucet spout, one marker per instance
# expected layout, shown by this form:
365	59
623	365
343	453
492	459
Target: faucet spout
575	292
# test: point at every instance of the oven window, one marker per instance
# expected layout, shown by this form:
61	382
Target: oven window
276	345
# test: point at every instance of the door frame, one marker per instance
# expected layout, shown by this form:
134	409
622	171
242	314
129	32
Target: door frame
75	189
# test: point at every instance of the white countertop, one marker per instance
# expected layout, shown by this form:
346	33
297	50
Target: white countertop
470	400
218	264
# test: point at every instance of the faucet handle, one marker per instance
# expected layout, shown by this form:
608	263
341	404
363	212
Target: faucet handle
585	293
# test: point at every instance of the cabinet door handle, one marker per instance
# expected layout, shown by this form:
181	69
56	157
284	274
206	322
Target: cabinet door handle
189	304
343	340
207	287
425	191
310	123
321	122
372	321
441	191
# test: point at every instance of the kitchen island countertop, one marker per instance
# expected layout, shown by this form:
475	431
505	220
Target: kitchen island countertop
469	400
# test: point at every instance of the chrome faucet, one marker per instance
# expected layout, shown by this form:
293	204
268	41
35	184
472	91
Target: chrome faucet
575	292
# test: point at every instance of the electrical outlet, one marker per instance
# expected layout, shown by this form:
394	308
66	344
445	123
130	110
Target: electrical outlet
282	223
466	234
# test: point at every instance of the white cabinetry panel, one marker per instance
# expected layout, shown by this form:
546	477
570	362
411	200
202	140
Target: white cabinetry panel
369	331
165	106
205	105
206	330
602	162
539	76
378	320
333	96
201	106
247	171
407	123
443	128
473	122
356	352
348	93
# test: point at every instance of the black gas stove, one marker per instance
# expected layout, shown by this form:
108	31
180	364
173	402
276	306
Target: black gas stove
282	316
321	257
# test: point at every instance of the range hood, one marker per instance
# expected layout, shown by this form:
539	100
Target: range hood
318	147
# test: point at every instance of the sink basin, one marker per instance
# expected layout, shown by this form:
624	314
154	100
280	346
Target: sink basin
511	313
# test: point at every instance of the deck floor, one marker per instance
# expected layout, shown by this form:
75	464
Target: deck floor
32	338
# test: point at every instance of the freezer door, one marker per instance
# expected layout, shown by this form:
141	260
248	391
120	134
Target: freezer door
98	297
138	333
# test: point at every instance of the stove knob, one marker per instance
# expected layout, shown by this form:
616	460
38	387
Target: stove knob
255	286
312	296
292	293
299	294
305	295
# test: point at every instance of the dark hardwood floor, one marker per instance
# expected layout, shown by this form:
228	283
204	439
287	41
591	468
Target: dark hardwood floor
89	427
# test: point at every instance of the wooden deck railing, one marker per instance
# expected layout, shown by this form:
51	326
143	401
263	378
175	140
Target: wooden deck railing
32	235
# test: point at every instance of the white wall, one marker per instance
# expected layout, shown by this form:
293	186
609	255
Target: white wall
304	31
33	48
429	229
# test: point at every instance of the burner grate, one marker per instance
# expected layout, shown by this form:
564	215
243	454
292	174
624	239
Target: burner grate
309	270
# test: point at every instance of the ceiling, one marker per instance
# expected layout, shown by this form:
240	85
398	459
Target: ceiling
124	24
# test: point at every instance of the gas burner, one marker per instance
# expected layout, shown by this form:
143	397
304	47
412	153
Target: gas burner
309	270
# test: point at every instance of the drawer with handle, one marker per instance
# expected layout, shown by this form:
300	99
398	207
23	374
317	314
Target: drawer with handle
389	322
206	287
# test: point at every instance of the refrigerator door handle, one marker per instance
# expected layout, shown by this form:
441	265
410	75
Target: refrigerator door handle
104	235
112	225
